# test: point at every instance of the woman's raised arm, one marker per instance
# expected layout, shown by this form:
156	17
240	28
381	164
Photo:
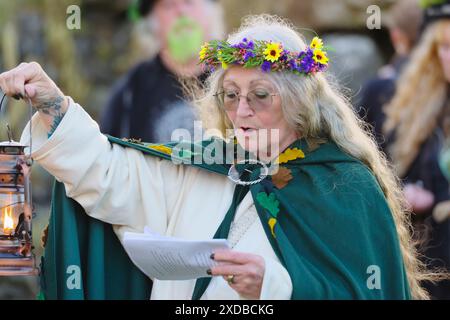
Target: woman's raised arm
114	184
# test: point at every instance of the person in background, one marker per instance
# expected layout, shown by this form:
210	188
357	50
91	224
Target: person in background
147	103
415	124
405	18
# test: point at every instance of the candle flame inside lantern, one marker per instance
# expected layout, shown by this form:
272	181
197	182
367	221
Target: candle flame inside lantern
8	222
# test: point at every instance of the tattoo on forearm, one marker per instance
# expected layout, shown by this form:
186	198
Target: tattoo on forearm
56	120
53	109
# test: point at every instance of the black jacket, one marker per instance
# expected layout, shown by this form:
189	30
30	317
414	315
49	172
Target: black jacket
147	103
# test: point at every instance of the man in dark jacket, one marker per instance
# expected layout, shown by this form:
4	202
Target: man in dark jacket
148	103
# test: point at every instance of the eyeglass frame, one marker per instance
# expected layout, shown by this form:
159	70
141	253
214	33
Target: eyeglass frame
222	104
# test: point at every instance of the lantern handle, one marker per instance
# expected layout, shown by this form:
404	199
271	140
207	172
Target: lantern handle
8	128
29	161
12	204
30	114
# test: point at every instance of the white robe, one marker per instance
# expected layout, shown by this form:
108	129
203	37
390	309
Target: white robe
130	190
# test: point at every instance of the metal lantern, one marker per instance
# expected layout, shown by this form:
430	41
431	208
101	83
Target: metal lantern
16	257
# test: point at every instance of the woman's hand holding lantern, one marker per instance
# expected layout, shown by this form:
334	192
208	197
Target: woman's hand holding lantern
29	81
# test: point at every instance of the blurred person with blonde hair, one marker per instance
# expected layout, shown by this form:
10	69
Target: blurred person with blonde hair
403	21
308	204
415	126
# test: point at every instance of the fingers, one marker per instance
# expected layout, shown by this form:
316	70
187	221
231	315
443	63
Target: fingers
245	279
234	262
19	86
244	272
4	83
225	270
235	257
13	83
30	91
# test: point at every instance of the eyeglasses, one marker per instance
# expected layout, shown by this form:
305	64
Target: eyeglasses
258	99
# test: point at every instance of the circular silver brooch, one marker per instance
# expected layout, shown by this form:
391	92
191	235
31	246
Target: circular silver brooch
234	175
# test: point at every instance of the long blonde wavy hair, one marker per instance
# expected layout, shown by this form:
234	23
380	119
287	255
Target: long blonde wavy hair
419	100
319	112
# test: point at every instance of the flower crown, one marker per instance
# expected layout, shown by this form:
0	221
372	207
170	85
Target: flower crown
268	55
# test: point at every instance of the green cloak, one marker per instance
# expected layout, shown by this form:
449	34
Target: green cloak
330	227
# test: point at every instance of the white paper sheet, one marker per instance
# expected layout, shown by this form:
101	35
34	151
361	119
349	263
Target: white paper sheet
168	258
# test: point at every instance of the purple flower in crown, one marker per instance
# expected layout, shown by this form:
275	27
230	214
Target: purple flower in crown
306	66
248	55
284	55
301	54
244	44
321	67
266	66
307	62
293	65
308	53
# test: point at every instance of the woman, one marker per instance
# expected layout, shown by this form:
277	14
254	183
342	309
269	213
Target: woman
416	121
328	224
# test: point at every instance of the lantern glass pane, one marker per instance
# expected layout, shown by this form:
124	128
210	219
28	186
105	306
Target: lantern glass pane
11	213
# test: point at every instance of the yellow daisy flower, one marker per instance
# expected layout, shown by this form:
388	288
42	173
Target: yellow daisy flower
272	52
219	56
162	149
316	43
320	56
203	51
